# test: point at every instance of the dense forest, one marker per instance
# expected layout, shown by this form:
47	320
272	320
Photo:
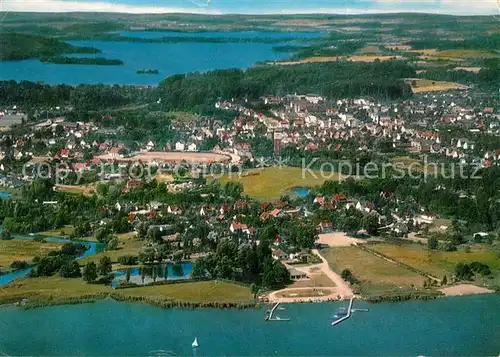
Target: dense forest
82	97
490	42
199	91
487	78
334	80
16	46
80	60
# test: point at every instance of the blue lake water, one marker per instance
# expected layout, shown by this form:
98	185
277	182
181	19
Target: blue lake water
462	326
168	58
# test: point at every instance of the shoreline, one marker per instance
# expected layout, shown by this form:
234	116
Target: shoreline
28	303
33	303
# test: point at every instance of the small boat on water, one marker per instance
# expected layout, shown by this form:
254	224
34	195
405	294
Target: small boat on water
195	343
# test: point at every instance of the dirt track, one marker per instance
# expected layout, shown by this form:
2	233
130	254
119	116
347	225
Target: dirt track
199	157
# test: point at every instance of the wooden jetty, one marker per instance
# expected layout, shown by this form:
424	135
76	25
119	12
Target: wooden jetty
271	313
350	311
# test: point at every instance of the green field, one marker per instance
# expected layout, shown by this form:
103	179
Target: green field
56	288
24	250
377	276
61	232
438	263
464	54
271	183
128	244
426	85
206	291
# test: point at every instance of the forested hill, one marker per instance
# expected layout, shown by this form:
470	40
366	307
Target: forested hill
334	80
17	46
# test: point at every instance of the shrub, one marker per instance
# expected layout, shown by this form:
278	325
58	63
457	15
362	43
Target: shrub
127	260
18	265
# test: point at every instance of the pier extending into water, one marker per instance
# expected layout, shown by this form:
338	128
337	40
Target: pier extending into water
350	310
349	314
271	313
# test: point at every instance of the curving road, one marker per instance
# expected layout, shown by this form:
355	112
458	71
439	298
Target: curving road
341	288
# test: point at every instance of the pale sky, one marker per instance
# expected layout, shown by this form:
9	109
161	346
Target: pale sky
458	7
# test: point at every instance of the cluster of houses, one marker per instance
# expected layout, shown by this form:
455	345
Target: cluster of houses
310	122
306	122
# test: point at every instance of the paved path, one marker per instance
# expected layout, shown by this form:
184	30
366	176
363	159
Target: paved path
341	288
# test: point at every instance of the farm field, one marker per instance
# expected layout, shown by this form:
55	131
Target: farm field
377	276
425	85
199	157
272	183
372	58
87	190
468	69
24	250
464	54
437	263
322	59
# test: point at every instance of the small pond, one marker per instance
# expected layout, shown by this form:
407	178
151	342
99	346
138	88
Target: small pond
154	273
301	192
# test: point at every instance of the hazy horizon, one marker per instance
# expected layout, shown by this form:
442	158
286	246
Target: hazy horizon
257	7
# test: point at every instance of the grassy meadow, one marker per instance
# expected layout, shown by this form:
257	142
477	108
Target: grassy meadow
60	232
438	263
24	250
50	289
128	244
271	183
426	85
376	275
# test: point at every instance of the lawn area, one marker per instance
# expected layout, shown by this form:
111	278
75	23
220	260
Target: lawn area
204	291
271	183
128	244
60	232
437	263
24	249
425	85
87	190
49	288
54	288
377	276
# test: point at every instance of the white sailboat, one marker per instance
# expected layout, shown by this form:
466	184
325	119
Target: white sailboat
195	342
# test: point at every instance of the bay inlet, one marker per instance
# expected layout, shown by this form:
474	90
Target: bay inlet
168	58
